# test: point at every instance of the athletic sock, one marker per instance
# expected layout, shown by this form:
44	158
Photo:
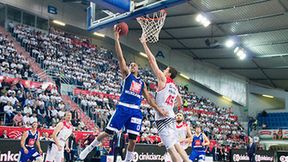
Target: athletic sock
95	143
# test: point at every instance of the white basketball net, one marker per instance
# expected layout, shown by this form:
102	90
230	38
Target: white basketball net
152	25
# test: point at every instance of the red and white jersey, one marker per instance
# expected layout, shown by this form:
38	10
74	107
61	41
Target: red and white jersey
181	130
165	99
65	133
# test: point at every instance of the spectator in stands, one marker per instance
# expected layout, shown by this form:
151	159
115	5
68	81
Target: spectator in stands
18	118
27	109
279	135
4	134
71	150
45	136
33	118
9	111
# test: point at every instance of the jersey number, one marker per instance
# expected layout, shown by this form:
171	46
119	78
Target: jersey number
169	100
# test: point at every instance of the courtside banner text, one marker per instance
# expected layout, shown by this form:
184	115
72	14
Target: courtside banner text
261	156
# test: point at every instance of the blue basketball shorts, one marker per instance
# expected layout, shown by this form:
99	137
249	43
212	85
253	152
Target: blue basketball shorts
129	118
197	154
32	155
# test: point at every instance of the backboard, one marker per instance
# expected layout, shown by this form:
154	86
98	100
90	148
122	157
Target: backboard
105	13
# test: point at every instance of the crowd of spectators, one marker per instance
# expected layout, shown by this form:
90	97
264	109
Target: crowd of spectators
22	106
94	68
11	63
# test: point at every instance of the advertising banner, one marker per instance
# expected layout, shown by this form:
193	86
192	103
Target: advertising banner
281	156
16	132
271	133
9	149
261	156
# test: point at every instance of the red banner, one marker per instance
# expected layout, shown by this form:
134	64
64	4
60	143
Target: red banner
27	83
16	132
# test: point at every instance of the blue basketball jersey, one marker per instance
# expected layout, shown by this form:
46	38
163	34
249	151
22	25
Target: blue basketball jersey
132	89
31	139
197	142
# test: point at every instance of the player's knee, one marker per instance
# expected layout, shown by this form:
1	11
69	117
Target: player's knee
132	136
39	159
109	132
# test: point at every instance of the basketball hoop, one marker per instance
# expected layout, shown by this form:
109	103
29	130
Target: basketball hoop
152	25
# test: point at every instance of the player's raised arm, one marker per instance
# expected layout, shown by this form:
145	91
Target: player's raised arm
57	129
152	61
152	103
22	142
179	100
122	63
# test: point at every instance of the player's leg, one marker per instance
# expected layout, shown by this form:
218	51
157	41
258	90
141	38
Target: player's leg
130	148
22	156
133	126
182	152
169	139
59	156
35	156
201	157
193	155
115	124
51	152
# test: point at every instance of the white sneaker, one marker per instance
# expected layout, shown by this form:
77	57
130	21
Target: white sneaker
85	152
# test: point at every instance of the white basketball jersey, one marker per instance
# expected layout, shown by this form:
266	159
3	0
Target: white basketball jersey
181	130
165	99
64	133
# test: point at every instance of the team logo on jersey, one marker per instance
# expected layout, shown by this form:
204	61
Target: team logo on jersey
31	142
197	143
135	87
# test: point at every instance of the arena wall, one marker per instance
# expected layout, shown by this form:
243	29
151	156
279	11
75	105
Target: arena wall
229	85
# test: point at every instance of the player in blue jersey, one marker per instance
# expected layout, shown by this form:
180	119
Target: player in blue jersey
128	113
199	143
28	150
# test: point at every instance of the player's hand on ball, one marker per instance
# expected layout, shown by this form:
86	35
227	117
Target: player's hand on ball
117	30
26	151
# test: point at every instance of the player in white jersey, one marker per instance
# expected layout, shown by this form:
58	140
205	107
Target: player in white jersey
61	133
183	133
166	96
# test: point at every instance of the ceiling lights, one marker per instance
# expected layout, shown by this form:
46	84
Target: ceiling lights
59	22
229	43
143	54
99	34
203	20
240	52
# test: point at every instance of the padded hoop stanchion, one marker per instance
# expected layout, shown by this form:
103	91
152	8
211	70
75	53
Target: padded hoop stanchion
151	25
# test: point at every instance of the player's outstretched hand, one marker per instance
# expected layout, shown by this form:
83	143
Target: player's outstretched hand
40	152
117	30
26	151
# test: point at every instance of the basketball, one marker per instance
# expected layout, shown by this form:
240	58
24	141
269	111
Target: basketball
124	29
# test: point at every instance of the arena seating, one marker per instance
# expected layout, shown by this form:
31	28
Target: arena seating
95	71
273	120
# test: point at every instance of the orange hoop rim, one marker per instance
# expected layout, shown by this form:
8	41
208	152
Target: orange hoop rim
156	19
